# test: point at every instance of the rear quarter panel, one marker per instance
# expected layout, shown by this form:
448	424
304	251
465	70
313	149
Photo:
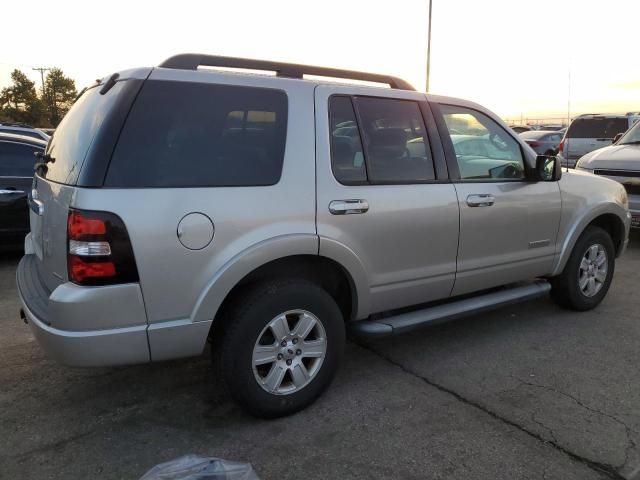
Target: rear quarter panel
185	285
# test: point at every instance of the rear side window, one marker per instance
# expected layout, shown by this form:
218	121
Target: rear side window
599	127
181	134
17	160
73	137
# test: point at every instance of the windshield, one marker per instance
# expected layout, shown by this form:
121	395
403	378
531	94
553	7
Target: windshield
632	135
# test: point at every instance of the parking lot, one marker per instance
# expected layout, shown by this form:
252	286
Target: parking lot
530	391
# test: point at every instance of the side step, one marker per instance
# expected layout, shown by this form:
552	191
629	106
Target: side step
405	322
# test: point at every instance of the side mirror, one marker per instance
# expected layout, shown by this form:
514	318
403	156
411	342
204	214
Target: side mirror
617	137
548	168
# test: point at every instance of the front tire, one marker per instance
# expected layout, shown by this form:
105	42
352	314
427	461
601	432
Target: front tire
282	344
587	276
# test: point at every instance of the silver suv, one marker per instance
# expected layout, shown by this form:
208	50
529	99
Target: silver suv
271	214
620	162
590	132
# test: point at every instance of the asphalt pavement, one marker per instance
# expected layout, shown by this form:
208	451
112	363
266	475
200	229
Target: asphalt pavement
526	392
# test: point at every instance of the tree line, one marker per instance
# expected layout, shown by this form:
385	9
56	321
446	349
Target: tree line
21	102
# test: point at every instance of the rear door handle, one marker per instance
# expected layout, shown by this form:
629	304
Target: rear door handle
481	200
348	207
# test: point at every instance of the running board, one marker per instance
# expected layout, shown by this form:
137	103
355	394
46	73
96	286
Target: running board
405	322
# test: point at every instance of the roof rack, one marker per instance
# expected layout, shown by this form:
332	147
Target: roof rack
191	61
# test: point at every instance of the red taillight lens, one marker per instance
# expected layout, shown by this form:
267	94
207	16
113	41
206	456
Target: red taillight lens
79	225
99	251
80	271
561	146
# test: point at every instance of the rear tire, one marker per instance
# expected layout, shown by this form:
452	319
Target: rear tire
586	277
281	346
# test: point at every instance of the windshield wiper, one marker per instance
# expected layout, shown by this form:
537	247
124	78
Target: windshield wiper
633	142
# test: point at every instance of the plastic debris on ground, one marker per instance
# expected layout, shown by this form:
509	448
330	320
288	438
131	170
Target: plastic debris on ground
196	467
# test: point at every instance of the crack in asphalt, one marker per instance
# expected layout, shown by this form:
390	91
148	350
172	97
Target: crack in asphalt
628	430
609	470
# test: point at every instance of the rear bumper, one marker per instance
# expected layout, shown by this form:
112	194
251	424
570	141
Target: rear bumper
45	311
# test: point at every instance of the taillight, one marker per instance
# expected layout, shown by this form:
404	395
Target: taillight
561	146
534	144
99	250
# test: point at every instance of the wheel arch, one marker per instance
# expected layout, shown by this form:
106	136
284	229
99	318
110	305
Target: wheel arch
608	217
294	256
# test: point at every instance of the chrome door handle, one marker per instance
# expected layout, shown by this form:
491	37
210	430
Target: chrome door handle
481	200
9	192
348	207
34	204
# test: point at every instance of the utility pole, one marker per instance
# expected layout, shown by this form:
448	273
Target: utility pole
41	70
569	98
429	49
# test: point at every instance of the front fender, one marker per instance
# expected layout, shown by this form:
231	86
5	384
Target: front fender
586	197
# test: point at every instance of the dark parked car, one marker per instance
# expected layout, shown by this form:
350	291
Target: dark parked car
26	130
544	142
16	174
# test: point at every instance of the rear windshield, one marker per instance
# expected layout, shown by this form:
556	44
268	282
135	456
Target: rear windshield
599	127
181	134
70	142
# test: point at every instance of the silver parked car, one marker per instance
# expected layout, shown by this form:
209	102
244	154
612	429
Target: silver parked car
270	214
620	162
543	142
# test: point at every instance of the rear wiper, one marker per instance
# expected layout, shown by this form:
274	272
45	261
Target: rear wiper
41	168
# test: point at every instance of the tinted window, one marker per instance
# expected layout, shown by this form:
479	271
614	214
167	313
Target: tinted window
73	137
347	159
182	134
397	150
17	160
483	149
599	127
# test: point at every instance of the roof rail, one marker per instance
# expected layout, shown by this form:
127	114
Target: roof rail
191	61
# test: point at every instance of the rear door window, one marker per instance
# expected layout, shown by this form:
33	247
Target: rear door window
598	127
17	160
347	158
181	134
396	144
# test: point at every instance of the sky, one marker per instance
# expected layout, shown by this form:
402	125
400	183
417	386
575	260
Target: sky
519	58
